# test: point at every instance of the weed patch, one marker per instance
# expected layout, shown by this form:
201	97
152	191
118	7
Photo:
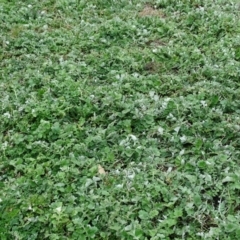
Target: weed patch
119	119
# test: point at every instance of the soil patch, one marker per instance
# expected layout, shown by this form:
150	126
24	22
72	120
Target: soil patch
149	11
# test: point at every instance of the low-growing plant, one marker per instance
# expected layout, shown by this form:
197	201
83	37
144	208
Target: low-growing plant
119	119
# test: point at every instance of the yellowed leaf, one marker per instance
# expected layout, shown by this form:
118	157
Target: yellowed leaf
101	170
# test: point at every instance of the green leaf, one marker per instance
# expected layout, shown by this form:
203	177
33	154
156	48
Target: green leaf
202	164
143	215
153	213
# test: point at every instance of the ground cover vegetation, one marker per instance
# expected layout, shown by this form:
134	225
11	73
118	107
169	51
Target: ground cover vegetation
119	119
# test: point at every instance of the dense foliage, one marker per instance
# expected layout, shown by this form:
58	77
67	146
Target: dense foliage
119	119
